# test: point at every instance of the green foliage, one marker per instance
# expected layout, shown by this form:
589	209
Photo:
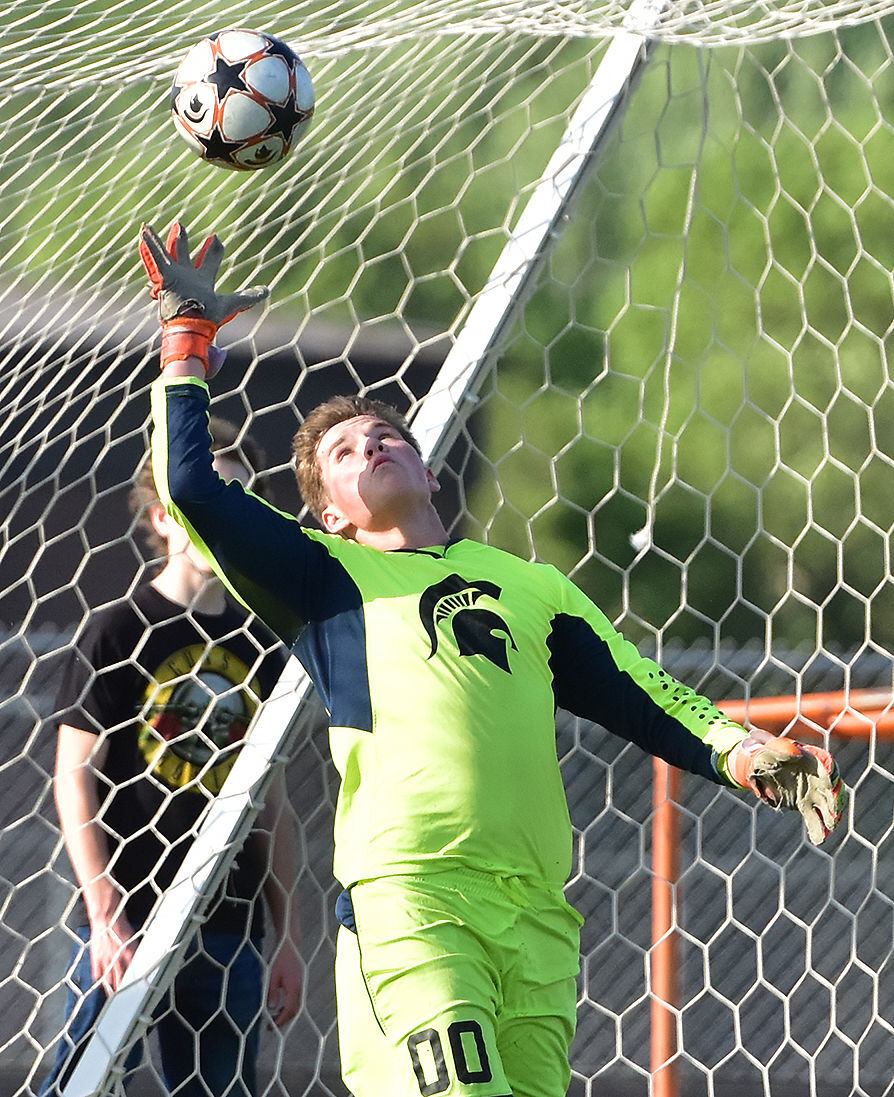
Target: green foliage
729	303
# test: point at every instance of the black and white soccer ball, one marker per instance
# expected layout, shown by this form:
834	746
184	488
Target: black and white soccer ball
242	99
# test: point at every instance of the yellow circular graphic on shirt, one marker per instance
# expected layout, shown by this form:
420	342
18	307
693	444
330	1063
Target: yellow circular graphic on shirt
194	715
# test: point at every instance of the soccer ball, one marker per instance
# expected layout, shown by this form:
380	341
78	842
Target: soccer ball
241	99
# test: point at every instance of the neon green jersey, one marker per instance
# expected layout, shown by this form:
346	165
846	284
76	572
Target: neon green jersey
441	669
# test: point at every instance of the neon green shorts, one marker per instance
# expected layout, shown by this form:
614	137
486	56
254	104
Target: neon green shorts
457	983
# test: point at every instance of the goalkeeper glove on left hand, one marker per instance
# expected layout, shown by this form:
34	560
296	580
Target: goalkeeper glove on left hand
190	310
786	774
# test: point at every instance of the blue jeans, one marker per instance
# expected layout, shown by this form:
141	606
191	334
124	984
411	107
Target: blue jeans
208	1025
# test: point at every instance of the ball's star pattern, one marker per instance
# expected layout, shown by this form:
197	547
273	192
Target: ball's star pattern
227	77
204	108
216	148
285	118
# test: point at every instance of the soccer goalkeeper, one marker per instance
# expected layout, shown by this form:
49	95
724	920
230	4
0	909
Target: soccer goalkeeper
441	663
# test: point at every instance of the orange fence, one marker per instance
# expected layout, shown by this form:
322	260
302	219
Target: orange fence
854	714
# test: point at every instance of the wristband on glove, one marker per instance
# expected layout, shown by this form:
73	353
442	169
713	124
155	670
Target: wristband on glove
187	337
787	774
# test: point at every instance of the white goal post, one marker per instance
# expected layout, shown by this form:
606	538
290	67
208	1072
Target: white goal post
649	345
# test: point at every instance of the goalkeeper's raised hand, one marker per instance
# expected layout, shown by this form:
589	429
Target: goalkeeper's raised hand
190	309
787	774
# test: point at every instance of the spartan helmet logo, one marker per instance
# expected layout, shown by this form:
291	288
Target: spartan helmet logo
477	631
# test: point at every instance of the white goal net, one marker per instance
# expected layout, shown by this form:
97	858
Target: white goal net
640	258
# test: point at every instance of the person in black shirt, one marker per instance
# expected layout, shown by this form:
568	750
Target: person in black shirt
151	713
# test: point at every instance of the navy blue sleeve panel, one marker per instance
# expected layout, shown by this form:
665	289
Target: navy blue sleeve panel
273	566
333	652
282	573
588	682
260	553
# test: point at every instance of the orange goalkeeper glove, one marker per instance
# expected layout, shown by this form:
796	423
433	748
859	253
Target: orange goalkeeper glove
786	774
190	310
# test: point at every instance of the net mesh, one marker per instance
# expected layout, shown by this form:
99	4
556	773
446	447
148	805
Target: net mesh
691	415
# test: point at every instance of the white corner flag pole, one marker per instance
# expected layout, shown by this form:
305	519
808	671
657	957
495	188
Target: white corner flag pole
286	714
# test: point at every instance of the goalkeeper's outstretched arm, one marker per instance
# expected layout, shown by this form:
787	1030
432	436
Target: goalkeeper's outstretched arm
601	676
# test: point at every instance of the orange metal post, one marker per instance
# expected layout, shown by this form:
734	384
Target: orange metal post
852	714
855	714
665	964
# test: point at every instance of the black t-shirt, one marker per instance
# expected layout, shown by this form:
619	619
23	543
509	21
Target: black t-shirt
174	692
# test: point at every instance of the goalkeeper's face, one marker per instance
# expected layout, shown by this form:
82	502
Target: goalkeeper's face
374	479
